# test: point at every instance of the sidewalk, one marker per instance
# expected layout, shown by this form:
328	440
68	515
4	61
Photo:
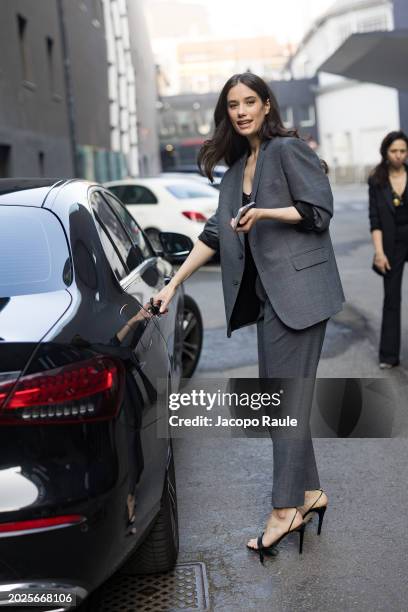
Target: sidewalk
358	563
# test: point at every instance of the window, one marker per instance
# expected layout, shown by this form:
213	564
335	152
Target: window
41	164
132	228
34	256
49	43
184	191
114	239
97	12
24	54
5	151
134	194
185	122
307	116
373	24
129	255
116	263
287	116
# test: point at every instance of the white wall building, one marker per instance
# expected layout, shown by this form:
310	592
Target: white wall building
132	87
121	83
353	117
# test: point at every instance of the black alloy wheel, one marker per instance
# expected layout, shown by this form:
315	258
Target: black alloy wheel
192	337
158	552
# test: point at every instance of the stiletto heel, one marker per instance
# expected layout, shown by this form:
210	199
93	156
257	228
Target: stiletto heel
263	550
320	511
301	536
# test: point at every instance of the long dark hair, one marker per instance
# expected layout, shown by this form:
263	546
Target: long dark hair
379	175
226	143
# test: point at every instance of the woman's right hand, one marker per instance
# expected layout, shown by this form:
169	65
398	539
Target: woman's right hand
165	296
381	262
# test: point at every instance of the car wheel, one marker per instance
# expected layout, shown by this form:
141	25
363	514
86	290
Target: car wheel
158	552
153	236
192	336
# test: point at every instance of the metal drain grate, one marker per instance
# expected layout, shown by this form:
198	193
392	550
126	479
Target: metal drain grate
184	588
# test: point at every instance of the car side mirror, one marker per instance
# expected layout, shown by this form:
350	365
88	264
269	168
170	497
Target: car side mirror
175	247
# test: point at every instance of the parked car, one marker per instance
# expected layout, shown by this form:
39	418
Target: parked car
86	482
167	204
218	171
195	177
178	172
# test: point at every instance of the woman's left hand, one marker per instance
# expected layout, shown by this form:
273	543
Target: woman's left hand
248	220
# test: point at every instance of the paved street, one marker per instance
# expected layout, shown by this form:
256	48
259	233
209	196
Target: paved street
360	560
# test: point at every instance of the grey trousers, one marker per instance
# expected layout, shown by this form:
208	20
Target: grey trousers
293	355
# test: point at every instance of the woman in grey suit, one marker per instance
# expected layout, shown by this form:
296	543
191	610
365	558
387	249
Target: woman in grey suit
278	271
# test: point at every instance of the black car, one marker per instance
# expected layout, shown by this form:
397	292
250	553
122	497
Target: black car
86	481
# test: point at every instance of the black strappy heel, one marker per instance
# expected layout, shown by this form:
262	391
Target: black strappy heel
270	550
320	511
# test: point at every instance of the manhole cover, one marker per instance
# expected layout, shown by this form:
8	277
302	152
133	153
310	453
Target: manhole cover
184	588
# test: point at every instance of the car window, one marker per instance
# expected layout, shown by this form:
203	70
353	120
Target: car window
116	233
184	191
131	227
34	255
134	194
115	262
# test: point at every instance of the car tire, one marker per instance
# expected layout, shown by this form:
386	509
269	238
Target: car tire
192	336
158	552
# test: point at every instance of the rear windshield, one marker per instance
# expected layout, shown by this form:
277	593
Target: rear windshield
187	190
34	256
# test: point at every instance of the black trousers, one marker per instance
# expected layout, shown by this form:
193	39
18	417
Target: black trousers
391	316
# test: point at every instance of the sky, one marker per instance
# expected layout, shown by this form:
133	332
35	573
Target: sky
287	20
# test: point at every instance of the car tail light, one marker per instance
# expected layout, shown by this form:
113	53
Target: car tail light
52	522
86	391
194	216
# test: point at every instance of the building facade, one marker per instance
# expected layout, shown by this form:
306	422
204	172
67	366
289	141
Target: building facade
171	22
185	121
353	117
205	65
83	26
68	90
34	128
146	91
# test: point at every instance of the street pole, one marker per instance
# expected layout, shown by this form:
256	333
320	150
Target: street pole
69	95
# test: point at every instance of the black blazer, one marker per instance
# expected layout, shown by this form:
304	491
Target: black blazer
382	215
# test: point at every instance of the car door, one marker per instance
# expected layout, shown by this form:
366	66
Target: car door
139	277
155	272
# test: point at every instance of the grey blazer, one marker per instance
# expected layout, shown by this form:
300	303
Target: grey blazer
297	268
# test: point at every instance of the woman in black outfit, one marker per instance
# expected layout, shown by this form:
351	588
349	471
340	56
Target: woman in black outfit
388	210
